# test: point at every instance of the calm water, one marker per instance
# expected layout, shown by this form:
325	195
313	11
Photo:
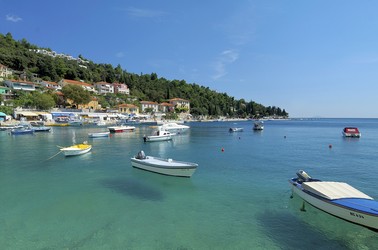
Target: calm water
239	198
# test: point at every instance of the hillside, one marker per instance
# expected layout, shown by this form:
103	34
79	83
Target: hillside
22	56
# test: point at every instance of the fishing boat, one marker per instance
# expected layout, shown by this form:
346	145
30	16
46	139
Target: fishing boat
351	132
77	149
236	129
338	199
163	166
159	135
120	129
175	128
98	134
258	125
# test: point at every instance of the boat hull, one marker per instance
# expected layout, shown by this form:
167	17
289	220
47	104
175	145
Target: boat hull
153	138
121	129
165	167
97	135
73	150
335	208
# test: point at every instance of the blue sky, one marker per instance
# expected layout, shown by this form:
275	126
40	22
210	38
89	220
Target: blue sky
315	58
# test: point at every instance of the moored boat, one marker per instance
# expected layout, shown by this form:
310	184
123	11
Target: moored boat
258	125
236	129
22	131
351	132
338	199
120	129
159	135
39	127
77	149
163	166
98	134
175	127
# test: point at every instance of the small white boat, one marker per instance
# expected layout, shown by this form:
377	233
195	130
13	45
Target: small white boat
338	199
159	135
351	132
163	166
98	134
175	128
236	129
258	125
77	149
22	131
75	123
120	129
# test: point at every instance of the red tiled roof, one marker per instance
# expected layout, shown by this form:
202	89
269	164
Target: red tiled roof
148	102
77	82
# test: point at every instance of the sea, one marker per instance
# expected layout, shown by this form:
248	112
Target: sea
239	197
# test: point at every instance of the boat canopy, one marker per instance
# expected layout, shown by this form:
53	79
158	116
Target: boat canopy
334	190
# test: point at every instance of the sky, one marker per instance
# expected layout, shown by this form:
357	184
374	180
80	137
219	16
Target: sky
313	58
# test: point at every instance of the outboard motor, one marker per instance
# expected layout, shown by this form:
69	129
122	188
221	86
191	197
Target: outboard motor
303	176
141	155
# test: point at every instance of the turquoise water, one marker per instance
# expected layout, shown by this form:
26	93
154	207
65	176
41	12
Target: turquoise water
238	198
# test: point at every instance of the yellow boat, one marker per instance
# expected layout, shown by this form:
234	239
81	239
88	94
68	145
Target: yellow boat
77	149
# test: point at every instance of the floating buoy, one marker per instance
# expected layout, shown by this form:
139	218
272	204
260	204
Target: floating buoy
285	136
222	149
330	145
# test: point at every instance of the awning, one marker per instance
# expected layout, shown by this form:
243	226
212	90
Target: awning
2	114
27	113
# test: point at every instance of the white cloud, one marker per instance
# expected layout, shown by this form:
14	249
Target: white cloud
144	13
13	18
227	57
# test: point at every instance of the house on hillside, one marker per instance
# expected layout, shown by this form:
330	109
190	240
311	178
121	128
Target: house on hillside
128	109
104	88
6	94
51	85
5	72
180	103
121	88
154	106
165	107
20	85
84	85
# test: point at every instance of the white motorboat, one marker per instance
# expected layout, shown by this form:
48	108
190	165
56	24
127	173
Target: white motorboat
77	149
39	127
351	132
236	129
258	125
175	128
163	166
98	134
120	129
338	199
159	135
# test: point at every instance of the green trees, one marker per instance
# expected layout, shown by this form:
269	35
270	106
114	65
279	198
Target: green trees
35	99
77	94
19	55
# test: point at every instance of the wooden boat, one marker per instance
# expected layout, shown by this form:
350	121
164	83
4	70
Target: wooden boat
338	199
236	129
258	125
351	132
98	134
159	135
163	166
77	149
120	129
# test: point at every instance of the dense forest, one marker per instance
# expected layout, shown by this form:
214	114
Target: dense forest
21	56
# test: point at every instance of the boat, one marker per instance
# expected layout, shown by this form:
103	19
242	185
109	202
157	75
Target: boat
163	166
75	123
39	127
175	128
98	134
351	132
120	129
159	135
236	129
258	125
22	131
338	199
77	149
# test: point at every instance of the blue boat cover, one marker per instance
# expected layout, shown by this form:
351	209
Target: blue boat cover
363	205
